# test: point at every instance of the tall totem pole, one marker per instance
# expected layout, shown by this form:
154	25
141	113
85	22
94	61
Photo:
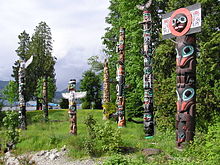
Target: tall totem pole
181	24
106	90
148	76
21	79
120	78
45	98
72	96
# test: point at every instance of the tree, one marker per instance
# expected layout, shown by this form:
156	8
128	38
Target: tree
10	92
91	83
43	64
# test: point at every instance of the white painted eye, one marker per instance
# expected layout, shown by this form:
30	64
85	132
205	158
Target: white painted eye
187	51
188	94
182	19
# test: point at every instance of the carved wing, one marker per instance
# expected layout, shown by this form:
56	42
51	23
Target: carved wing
66	95
140	7
79	95
146	6
29	61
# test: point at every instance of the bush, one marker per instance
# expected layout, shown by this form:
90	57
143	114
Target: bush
11	122
86	105
101	138
64	104
122	160
109	108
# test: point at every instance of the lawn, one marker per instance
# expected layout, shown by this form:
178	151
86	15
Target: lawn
55	134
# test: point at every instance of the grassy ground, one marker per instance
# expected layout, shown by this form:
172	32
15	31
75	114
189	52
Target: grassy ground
55	134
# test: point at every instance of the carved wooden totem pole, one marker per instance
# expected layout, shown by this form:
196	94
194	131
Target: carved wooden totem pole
45	98
72	96
181	24
106	90
148	76
21	78
120	78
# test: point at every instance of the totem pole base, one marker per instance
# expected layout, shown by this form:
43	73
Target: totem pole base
148	137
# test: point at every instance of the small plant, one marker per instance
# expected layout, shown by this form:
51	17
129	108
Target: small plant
90	142
109	137
109	108
12	132
123	160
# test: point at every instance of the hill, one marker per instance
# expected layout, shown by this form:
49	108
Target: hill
3	84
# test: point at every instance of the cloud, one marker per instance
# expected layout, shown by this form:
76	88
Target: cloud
76	25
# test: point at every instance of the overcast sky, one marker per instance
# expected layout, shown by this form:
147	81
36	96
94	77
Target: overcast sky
76	25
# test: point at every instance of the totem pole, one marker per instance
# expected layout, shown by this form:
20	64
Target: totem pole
148	76
106	90
21	79
181	24
45	98
72	96
120	78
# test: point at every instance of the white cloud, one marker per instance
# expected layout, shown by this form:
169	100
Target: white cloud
76	25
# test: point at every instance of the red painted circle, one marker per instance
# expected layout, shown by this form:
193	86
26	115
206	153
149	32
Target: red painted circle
187	13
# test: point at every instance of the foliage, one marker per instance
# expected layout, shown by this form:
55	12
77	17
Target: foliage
51	88
86	105
101	138
123	160
11	123
40	46
64	104
10	92
95	64
91	83
110	108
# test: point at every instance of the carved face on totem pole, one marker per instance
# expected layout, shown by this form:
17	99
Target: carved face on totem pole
179	22
72	85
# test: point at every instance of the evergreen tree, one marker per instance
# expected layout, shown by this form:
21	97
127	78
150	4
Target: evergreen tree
43	64
91	83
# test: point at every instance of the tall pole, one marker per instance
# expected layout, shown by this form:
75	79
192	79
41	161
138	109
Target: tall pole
148	116
45	98
106	90
181	24
120	78
186	89
72	106
22	104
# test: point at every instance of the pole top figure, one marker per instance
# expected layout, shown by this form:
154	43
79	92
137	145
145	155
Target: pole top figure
72	85
144	7
182	22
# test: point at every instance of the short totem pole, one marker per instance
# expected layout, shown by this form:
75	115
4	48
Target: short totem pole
120	78
106	90
148	76
21	78
181	24
72	96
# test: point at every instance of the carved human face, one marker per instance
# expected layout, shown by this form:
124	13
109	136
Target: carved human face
179	22
72	85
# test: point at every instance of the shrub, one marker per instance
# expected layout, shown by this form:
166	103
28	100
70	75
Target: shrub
101	138
123	160
86	105
11	123
64	104
109	108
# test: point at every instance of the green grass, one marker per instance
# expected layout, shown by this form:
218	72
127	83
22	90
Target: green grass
55	134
